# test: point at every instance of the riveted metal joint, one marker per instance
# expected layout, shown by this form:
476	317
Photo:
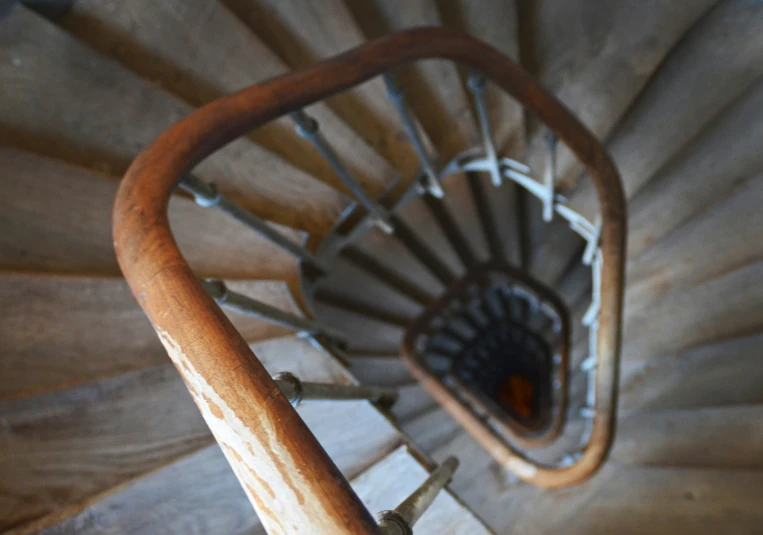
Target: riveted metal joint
392	523
291	387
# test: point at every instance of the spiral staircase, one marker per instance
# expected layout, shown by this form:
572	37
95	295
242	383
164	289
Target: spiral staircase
428	265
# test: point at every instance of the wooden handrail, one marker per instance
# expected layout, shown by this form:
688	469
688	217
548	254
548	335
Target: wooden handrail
291	481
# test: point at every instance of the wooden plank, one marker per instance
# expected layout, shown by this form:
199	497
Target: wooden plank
715	375
725	437
394	478
596	57
71	103
432	88
303	32
63	331
722	156
723	308
723	238
169	42
61	448
56	217
632	499
432	429
722	56
65	447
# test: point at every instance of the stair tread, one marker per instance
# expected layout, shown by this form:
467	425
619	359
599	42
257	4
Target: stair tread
303	32
58	219
391	480
722	54
62	448
431	429
718	309
63	331
681	261
728	437
596	57
695	378
82	84
169	43
633	499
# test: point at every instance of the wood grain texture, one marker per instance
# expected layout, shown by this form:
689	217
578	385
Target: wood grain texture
56	217
723	238
432	88
696	378
62	448
726	153
716	438
725	307
303	32
63	331
169	43
597	56
720	58
80	115
391	480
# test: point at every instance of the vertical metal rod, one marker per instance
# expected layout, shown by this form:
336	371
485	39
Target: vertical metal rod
450	229
396	95
487	220
207	196
477	86
549	177
404	517
592	243
251	307
308	128
297	391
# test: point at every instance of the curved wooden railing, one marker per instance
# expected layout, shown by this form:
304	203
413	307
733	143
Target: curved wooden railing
291	481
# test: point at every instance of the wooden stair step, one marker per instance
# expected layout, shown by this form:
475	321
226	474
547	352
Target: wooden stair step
57	218
64	331
169	43
695	378
722	55
69	446
636	499
303	32
432	88
596	57
381	371
665	117
728	437
719	309
733	225
393	479
91	111
708	169
414	400
432	428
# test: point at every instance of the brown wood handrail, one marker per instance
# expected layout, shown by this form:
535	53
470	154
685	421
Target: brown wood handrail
290	480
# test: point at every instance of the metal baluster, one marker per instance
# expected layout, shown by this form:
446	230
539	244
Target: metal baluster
593	310
251	307
593	243
548	177
297	391
206	195
404	517
477	86
396	95
308	128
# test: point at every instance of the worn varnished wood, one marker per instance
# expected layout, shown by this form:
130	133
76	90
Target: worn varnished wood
211	358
